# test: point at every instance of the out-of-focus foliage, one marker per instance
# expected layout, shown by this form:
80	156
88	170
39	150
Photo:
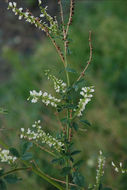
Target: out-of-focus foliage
108	72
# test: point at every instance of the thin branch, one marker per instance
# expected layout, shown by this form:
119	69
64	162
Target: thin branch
15	170
90	57
38	172
71	184
70	16
52	40
57	48
44	149
64	182
62	17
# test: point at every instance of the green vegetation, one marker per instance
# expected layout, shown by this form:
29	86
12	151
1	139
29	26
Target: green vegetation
107	72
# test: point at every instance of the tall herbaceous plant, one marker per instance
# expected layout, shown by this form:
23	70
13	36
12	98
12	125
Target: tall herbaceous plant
69	102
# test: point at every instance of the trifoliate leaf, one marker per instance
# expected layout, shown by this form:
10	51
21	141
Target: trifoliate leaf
27	156
78	179
14	152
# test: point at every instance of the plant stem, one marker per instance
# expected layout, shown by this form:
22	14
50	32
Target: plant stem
67	182
67	75
42	175
38	172
45	150
14	170
67	131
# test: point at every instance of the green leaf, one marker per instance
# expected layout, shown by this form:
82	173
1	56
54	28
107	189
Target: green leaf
75	126
78	84
12	179
75	152
65	171
27	156
78	164
107	188
78	179
70	70
14	152
26	146
86	122
60	161
64	120
2	185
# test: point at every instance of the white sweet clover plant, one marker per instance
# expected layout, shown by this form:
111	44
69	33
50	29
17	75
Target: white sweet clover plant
70	100
6	157
38	135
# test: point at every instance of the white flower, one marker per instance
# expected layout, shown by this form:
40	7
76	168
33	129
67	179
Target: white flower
84	101
39	1
116	169
22	129
20	17
42	15
39	135
26	14
113	164
10	4
6	157
59	85
21	136
21	9
119	168
45	94
14	3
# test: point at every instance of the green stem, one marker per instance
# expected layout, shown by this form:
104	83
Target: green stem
67	177
67	75
68	112
14	170
67	182
42	175
45	150
38	172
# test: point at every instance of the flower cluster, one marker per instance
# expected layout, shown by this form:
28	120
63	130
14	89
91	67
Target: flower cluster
5	156
119	168
86	93
27	15
39	135
46	98
100	170
52	21
35	96
59	85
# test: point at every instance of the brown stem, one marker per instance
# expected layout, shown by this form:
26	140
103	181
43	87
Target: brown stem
44	149
62	17
58	180
90	57
52	40
70	16
57	48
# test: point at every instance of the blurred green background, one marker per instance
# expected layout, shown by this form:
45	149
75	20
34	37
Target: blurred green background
26	53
